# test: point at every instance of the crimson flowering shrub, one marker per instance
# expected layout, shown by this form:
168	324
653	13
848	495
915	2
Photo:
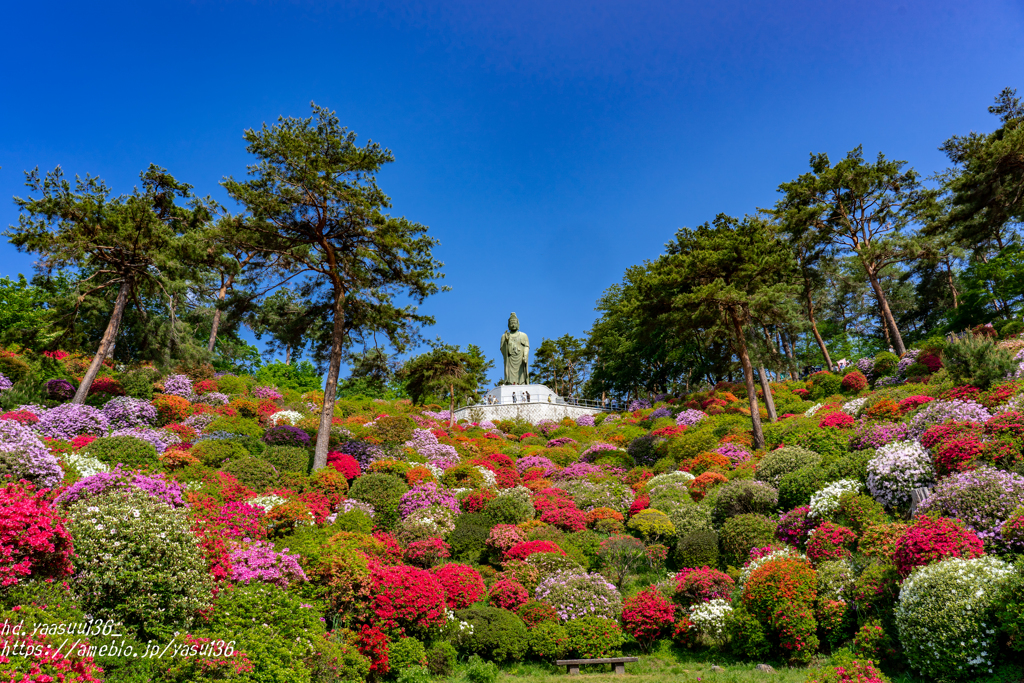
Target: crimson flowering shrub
913	402
106	385
405	597
958	455
702	585
521	551
837	420
639	504
344	463
477	500
565	518
830	542
462	585
949	431
854	382
647	616
33	540
22	417
427	552
856	671
508	594
932	538
373	644
780	594
50	664
534	612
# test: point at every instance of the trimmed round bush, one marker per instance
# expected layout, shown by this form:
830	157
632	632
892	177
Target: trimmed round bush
896	470
643	450
780	462
744	496
384	492
124	450
215	452
697	549
945	614
462	584
549	640
796	488
854	382
405	653
885	363
652	525
286	435
137	560
288	458
931	539
575	594
594	637
469	538
257	474
509	510
825	384
497	634
742	533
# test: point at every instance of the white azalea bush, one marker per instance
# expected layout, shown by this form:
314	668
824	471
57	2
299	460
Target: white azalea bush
708	618
826	501
945	616
896	470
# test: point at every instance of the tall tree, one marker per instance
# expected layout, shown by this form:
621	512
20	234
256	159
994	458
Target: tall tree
864	209
128	244
446	369
563	363
314	201
728	274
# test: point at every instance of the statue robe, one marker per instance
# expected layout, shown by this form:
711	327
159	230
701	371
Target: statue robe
515	349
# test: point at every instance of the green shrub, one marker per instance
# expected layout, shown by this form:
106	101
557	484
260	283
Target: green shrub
383	492
127	450
745	634
825	385
697	549
497	634
858	512
977	360
479	671
301	377
394	430
594	637
289	458
780	462
885	364
743	533
918	370
259	475
549	640
652	525
691	518
797	487
509	510
692	442
278	640
214	452
848	465
743	496
14	368
469	538
136	561
441	658
232	384
1011	329
138	383
825	442
406	652
236	425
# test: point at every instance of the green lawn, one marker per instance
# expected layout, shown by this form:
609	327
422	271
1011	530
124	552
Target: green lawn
655	669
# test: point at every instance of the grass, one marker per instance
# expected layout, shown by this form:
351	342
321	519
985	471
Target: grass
655	669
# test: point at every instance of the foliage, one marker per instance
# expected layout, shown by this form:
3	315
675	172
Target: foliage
594	637
977	360
384	492
497	634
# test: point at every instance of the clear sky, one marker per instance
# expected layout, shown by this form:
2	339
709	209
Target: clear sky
548	145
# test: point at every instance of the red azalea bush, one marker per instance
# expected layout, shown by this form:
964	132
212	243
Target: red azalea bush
948	431
405	597
567	519
533	612
647	615
913	402
462	584
795	526
958	455
427	552
345	464
931	361
1006	425
33	540
50	665
702	483
508	594
521	551
477	500
373	644
780	594
171	408
853	382
702	585
204	386
640	503
24	417
930	539
106	385
837	420
830	542
82	440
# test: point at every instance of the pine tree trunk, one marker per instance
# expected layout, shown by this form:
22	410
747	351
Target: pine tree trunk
216	314
787	344
887	317
769	402
106	343
451	406
748	375
817	335
323	435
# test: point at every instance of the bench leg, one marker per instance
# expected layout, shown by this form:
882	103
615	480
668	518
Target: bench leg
573	669
620	669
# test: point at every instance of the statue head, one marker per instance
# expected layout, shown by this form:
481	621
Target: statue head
513	323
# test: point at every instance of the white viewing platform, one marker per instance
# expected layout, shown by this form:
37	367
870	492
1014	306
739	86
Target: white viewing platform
542	404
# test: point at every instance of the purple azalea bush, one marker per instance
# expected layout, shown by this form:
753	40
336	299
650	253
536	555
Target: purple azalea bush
909	358
938	412
425	495
531	461
896	470
266	392
575	594
595	450
160	439
638	404
24	456
69	420
364	452
179	385
560	441
60	389
214	398
286	435
690	417
124	412
869	435
983	499
5	383
155	486
585	420
579	469
260	562
866	366
734	451
659	413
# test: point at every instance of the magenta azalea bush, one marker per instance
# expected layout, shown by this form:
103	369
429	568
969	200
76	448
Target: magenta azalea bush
69	420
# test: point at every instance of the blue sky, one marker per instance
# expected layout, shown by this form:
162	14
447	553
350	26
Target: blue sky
548	145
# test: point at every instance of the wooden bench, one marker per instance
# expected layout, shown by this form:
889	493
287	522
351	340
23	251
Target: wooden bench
572	666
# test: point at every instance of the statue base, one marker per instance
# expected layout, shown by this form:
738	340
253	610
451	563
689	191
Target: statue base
543	404
503	395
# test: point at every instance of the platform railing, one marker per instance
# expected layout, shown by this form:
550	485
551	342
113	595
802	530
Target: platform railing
608	405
